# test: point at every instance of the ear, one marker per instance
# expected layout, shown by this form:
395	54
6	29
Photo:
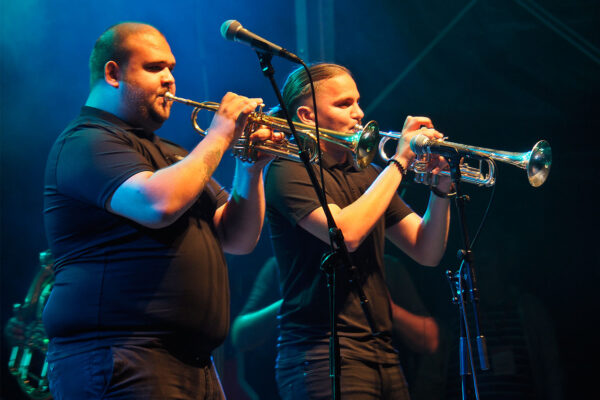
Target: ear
112	74
306	115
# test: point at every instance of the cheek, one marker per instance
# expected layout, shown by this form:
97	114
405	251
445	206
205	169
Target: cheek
339	117
146	81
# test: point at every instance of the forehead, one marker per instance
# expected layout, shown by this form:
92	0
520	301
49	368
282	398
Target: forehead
149	45
339	86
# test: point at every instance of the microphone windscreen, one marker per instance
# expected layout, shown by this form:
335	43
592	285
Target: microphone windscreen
229	28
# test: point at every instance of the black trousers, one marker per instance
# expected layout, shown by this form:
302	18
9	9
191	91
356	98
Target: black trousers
359	380
132	372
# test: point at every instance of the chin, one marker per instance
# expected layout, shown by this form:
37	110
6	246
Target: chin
160	115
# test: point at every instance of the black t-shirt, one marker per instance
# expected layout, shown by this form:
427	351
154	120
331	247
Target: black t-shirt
117	279
304	313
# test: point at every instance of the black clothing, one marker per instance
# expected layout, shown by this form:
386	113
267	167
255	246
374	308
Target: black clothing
128	372
360	380
118	281
304	313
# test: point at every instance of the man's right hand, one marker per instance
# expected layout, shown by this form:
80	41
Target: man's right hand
230	120
413	126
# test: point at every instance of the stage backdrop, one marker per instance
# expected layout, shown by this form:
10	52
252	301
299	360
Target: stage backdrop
497	74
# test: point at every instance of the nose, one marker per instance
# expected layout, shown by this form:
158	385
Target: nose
357	112
167	78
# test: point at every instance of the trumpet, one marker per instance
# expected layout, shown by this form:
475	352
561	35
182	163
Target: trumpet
536	162
362	143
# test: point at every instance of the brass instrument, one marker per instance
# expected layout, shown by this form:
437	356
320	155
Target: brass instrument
362	143
536	162
26	336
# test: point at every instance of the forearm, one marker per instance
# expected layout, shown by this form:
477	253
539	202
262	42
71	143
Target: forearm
423	239
433	232
241	219
248	331
358	219
157	199
420	333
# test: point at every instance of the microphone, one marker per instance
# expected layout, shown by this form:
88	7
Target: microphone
421	144
233	30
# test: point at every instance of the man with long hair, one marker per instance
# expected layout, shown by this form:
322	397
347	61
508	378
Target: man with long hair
367	209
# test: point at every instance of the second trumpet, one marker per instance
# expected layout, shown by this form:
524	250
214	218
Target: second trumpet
536	162
362	143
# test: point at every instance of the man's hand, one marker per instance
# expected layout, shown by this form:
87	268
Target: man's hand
259	136
413	126
230	120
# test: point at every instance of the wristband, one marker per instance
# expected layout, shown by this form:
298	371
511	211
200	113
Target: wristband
399	165
441	194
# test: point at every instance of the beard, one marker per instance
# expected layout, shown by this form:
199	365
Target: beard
147	111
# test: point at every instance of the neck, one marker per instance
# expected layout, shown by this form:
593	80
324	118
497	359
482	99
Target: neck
109	99
337	153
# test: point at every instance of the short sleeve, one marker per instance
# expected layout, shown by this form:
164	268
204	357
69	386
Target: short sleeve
219	193
289	190
396	211
92	163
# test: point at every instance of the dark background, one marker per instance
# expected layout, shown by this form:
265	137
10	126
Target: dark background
496	74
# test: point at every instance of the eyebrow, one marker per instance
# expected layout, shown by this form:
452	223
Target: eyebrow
345	99
160	64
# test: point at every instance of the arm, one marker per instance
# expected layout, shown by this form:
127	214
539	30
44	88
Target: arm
424	239
248	330
419	333
358	219
157	199
257	322
239	221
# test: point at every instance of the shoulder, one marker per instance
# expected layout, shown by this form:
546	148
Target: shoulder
280	164
89	130
283	170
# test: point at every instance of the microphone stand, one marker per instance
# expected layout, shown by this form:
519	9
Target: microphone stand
461	282
338	256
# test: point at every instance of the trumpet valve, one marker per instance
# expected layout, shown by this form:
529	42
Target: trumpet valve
245	150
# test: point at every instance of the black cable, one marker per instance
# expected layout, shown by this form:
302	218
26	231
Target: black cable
485	214
314	99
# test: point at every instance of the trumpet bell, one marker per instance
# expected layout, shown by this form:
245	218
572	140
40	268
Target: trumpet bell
368	142
538	166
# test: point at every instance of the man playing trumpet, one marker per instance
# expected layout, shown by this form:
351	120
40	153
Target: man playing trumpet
138	229
367	209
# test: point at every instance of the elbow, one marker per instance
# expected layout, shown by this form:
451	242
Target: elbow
432	345
156	211
431	261
236	338
428	340
157	217
352	245
353	240
239	246
432	341
429	258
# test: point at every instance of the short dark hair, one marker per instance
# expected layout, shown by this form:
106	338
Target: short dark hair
296	88
110	46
